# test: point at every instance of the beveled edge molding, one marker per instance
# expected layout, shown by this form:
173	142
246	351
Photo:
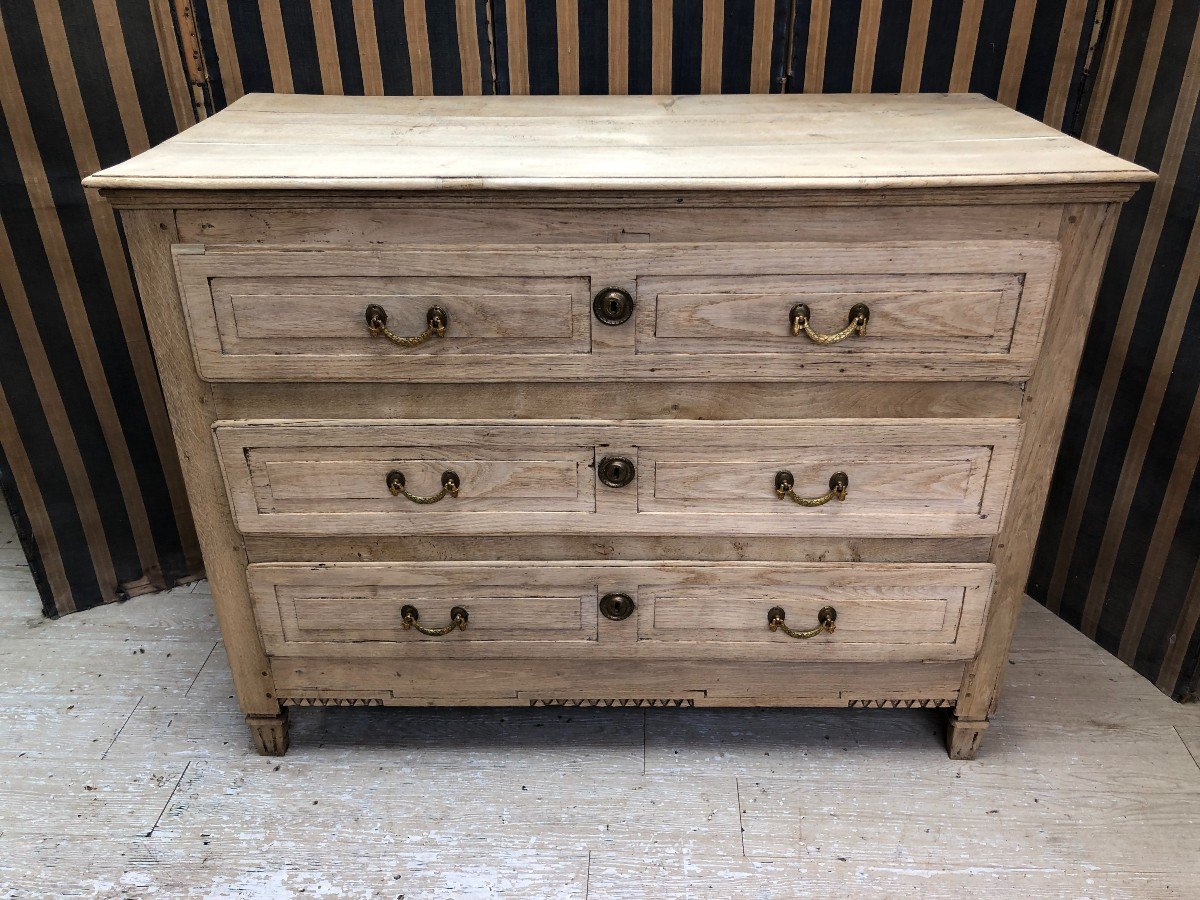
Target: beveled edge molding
267	548
176	198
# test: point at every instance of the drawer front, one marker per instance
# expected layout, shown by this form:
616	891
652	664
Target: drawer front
342	604
888	478
915	310
935	314
255	314
673	610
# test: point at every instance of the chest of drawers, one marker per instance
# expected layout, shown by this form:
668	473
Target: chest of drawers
707	401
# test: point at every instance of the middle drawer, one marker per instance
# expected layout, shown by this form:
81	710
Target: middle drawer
893	477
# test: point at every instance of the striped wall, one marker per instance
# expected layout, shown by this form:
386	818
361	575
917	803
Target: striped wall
89	464
1120	544
345	47
87	82
640	46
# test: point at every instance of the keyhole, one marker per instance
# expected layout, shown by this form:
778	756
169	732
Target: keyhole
616	471
612	306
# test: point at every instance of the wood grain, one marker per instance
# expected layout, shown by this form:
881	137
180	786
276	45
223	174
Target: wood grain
908	478
642	400
270	141
704	311
449	548
1087	234
536	610
952	399
487	219
189	403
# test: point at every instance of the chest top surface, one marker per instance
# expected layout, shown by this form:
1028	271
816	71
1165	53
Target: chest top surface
796	142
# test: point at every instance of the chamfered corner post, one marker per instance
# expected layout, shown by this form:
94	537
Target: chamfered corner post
151	233
1085	235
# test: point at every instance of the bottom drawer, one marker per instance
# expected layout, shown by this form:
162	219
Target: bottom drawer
638	610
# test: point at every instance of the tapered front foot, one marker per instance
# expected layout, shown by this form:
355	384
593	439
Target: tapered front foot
269	734
963	737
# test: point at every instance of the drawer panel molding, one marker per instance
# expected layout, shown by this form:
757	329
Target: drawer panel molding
937	309
681	609
906	477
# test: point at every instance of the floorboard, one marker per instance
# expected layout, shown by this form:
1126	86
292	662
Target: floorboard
127	773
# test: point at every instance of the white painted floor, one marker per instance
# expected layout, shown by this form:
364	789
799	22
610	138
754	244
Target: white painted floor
125	771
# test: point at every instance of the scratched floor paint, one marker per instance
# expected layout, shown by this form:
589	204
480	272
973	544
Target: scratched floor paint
126	772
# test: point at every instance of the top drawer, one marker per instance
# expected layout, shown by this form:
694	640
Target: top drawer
918	310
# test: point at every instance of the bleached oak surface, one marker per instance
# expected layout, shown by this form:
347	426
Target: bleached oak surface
715	142
127	772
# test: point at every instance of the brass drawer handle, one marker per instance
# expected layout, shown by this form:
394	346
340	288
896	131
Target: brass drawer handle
436	319
859	316
826	621
450	487
458	619
839	483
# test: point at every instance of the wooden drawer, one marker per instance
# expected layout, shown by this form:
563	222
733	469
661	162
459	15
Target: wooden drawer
936	310
680	609
254	314
905	477
935	314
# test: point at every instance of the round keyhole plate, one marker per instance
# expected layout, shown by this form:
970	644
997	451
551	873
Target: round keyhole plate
617	606
616	471
612	306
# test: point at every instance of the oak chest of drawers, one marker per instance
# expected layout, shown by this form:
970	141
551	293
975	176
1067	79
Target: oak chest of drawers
722	401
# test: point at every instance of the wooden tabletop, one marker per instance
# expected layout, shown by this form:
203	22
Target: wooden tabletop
730	142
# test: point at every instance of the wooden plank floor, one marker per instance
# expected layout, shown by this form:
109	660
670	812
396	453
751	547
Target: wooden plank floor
125	771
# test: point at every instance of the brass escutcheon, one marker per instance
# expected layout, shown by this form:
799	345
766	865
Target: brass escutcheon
612	306
616	471
617	606
826	621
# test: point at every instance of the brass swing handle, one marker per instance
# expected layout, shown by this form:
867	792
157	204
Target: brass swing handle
436	318
826	621
839	484
458	619
860	314
450	487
